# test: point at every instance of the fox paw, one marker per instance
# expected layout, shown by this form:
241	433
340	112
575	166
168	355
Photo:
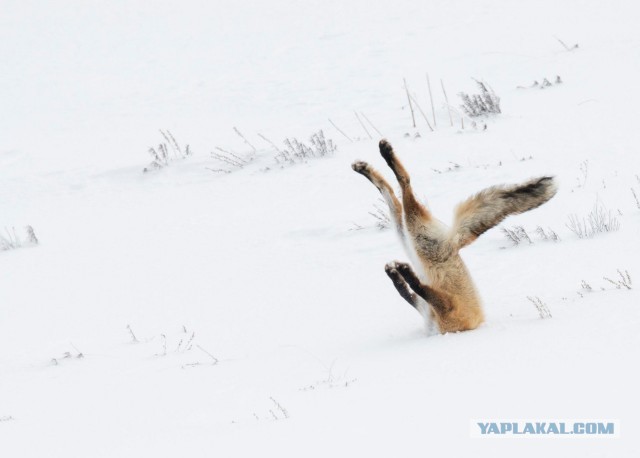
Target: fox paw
391	272
360	167
404	268
397	268
402	265
386	150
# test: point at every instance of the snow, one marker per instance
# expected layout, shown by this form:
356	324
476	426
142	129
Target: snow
282	334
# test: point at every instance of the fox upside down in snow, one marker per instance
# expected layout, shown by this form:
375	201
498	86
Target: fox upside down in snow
452	299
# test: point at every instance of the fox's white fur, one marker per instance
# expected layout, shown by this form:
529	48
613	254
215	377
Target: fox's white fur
443	285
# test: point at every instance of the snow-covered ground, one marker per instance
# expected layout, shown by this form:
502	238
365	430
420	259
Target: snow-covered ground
248	313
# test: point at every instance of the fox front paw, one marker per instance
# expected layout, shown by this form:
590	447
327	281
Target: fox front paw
392	272
404	268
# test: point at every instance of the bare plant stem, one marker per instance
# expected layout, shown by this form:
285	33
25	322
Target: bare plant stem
542	308
229	158
413	117
421	112
134	339
245	140
270	142
636	198
447	101
565	46
164	345
213	358
282	410
362	124
171	141
371	124
433	110
340	130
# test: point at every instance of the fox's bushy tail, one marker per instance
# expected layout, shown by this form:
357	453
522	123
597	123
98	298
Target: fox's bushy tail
489	207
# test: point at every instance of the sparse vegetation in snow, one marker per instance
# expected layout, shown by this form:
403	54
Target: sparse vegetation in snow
541	307
598	220
381	216
10	239
166	152
567	47
484	103
545	83
624	280
635	195
518	234
296	151
231	160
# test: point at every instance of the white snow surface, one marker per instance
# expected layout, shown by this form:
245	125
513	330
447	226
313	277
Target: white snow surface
264	321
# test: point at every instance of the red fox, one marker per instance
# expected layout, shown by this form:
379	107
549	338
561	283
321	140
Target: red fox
450	297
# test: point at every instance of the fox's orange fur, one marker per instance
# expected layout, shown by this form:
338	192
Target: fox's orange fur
450	296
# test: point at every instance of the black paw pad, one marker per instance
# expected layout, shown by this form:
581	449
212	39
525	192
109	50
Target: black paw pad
386	150
360	167
403	267
390	269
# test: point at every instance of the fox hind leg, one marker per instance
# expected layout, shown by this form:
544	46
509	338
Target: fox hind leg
414	211
428	234
395	207
389	155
